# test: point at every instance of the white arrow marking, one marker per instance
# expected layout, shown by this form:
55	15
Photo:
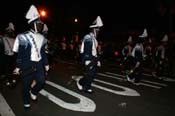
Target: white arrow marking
5	109
85	104
126	91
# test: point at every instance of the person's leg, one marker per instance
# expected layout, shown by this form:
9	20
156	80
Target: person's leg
7	69
40	81
39	77
90	78
26	88
138	73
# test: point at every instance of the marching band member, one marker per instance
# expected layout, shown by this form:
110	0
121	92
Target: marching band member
9	56
127	57
138	54
161	57
31	57
90	56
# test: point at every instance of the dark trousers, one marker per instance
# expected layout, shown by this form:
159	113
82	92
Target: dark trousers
137	74
90	73
160	68
1	64
9	66
39	77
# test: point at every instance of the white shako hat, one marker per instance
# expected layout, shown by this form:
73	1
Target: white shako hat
165	38
32	14
10	27
144	34
130	39
97	23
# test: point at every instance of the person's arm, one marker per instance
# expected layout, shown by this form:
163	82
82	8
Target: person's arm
44	56
18	55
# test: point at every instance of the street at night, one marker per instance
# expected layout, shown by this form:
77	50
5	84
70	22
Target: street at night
87	58
113	95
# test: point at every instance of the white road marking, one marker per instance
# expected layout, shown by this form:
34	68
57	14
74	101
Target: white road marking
168	79
148	85
115	74
5	109
125	91
156	83
145	74
85	104
114	77
157	87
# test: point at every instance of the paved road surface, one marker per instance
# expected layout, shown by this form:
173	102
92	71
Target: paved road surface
113	95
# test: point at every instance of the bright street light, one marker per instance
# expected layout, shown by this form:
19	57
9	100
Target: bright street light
43	13
75	20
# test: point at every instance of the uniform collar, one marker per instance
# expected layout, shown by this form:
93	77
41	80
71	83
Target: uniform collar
92	34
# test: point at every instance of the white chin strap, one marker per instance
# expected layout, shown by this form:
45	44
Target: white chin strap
35	27
95	33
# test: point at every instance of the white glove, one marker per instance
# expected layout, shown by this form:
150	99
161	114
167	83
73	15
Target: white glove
47	68
16	71
87	62
99	64
137	64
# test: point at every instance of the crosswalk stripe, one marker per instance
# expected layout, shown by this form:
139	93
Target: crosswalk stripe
148	85
101	74
115	74
155	83
168	79
5	109
145	74
114	77
151	82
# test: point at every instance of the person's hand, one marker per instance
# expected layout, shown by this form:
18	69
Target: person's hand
16	71
99	64
47	68
131	71
87	62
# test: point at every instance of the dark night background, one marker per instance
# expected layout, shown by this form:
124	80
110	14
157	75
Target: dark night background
119	17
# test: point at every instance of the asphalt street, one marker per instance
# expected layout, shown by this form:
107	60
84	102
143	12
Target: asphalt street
113	95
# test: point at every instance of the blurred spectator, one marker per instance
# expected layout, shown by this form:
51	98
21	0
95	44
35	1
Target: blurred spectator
9	57
161	58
